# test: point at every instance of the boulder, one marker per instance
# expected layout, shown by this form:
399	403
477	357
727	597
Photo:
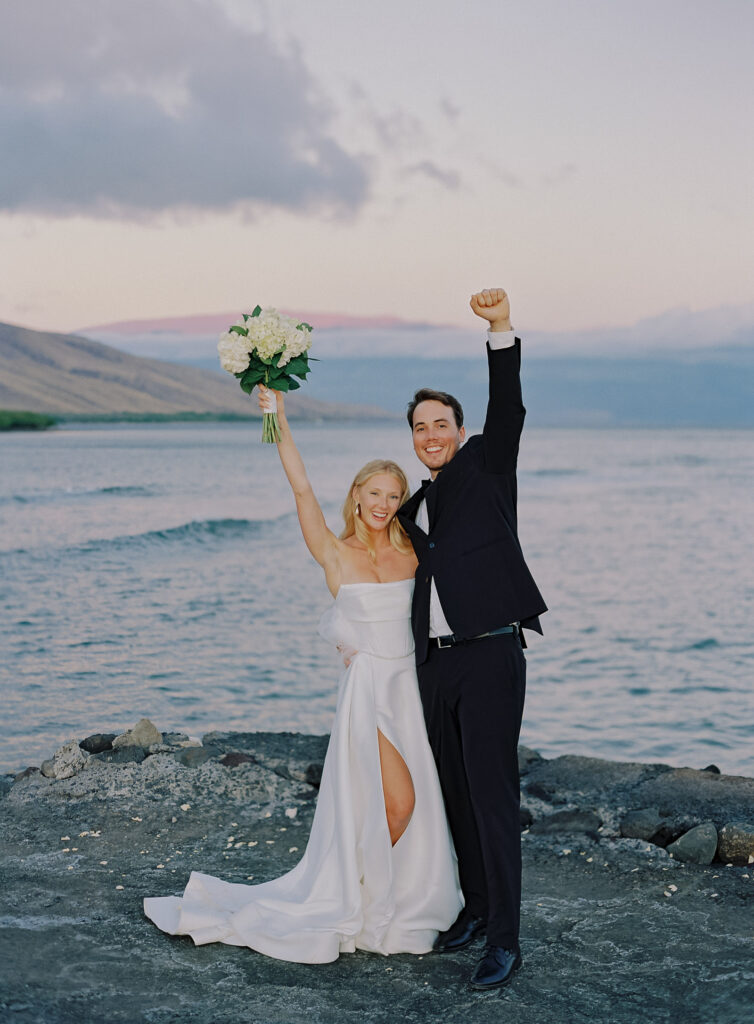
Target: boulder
176	739
736	843
98	742
123	755
31	770
697	846
526	758
192	757
236	757
143	734
576	820
644	823
66	762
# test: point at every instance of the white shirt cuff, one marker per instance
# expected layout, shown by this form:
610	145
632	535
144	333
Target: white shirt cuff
501	339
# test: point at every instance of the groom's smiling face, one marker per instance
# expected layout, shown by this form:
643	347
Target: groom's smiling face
437	436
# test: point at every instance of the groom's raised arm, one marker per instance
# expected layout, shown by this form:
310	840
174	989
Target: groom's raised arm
505	409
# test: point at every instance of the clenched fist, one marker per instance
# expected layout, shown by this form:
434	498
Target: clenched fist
492	304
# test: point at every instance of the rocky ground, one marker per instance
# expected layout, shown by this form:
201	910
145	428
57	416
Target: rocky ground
629	912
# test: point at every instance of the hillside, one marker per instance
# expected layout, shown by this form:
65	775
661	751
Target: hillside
63	374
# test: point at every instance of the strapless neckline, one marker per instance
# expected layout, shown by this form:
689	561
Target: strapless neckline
373	583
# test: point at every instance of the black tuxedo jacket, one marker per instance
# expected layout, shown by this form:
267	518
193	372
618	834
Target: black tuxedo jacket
472	548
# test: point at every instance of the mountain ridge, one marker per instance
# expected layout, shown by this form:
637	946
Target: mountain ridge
64	374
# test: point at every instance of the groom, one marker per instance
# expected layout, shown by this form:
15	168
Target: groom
473	593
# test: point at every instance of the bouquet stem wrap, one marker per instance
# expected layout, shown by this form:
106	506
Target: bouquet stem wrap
270	425
267	347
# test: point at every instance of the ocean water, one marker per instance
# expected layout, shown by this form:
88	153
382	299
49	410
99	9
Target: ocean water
159	571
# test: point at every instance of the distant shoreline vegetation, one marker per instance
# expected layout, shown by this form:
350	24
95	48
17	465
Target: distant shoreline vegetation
155	417
17	419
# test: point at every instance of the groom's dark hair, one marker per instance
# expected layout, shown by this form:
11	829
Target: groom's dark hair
430	395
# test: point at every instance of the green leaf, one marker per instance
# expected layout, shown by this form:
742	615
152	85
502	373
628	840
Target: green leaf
303	326
252	377
247	387
235	329
293	384
256	311
283	384
298	365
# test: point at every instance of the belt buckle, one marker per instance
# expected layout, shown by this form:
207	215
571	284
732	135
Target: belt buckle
441	645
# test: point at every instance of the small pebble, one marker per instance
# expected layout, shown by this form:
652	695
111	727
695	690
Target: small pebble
136	819
589	860
185	807
103	862
174	819
253	842
160	865
673	888
293	849
65	839
291	812
118	886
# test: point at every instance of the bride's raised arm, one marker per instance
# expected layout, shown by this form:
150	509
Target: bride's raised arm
320	540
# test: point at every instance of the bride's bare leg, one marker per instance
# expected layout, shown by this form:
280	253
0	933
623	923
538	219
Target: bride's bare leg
398	787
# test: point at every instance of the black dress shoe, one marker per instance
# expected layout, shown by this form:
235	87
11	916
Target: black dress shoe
460	933
496	967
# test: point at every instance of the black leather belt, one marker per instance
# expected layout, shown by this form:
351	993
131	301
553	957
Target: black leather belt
453	641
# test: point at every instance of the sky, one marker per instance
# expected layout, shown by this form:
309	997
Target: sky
178	157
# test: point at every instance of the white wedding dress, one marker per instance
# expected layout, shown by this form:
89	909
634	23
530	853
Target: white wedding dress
352	889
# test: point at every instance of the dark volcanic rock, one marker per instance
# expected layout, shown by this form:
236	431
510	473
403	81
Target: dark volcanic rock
192	757
697	846
696	794
599	921
541	792
293	756
525	817
31	770
736	843
6	781
236	757
568	821
173	738
98	742
123	755
644	823
526	758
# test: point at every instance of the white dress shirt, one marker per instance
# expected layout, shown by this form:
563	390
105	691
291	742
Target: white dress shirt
438	624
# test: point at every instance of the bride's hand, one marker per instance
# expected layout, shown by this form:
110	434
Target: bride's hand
347	653
266	394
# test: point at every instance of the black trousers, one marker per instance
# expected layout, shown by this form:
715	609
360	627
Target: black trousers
473	698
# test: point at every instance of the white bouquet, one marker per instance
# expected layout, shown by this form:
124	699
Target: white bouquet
266	347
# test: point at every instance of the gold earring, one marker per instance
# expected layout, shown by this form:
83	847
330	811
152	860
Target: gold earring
357	509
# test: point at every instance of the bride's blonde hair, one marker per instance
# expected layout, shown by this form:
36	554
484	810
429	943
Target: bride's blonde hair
354	523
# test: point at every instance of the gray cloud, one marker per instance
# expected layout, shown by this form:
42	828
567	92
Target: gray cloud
450	179
137	107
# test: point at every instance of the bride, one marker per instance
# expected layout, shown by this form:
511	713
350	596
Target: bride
379	872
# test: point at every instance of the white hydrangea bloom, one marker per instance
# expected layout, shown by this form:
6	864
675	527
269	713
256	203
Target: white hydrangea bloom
233	350
269	334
